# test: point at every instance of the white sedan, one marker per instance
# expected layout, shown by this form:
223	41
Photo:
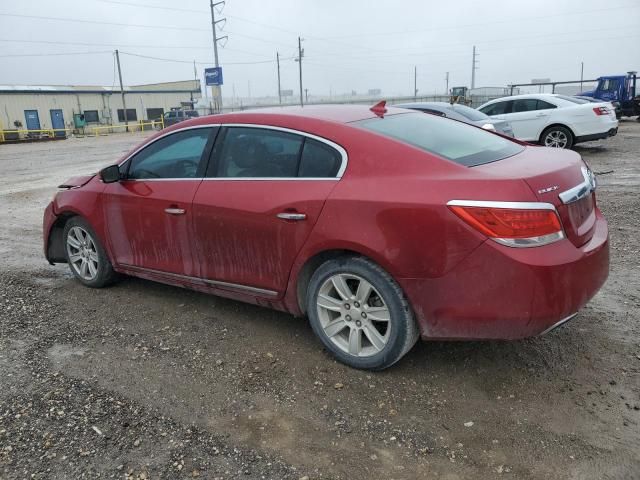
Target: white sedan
554	120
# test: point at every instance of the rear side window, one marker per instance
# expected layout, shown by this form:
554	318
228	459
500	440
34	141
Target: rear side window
455	141
497	108
319	160
258	153
542	105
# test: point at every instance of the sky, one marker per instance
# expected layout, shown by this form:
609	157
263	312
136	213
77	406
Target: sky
349	45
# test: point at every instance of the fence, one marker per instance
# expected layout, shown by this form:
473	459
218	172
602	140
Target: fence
26	135
475	101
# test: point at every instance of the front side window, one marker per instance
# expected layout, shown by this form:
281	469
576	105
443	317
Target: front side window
455	141
609	85
524	105
177	155
258	153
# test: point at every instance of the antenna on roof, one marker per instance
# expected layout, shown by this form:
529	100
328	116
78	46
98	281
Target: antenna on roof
379	108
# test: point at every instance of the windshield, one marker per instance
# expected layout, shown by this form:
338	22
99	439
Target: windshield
455	141
470	113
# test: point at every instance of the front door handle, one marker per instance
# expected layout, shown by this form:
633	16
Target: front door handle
292	216
175	211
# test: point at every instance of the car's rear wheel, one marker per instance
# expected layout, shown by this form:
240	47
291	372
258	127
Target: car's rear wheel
86	257
557	137
360	313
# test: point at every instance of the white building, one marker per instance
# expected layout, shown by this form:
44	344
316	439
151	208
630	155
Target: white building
36	107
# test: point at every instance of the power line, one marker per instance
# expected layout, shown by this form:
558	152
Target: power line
191	61
96	22
157	7
51	42
482	24
52	54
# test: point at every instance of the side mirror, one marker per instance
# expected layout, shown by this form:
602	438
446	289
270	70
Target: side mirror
110	174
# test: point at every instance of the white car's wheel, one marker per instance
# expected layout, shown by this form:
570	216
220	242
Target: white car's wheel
557	137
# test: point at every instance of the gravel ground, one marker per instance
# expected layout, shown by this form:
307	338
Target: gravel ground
143	380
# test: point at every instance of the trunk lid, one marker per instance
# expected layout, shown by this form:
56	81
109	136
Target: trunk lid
555	176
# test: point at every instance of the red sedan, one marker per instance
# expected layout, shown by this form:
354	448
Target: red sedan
381	225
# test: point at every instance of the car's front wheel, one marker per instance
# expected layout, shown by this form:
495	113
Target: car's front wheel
360	313
557	137
86	257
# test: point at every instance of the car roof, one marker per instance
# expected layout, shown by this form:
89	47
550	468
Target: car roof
526	96
330	113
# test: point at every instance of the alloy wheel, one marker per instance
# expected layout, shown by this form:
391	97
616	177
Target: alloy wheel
556	139
353	315
82	253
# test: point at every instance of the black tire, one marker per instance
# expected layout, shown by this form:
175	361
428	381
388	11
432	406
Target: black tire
104	273
403	330
558	131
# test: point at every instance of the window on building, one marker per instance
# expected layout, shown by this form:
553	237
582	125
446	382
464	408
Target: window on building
155	113
91	116
132	115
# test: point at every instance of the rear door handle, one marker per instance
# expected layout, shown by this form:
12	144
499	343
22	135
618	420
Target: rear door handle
175	211
292	216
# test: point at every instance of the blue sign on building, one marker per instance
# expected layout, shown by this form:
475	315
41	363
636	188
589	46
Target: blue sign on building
213	76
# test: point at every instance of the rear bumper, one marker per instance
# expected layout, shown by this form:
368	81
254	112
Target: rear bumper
499	292
597	136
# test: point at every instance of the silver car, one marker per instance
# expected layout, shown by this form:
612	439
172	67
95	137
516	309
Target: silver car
462	113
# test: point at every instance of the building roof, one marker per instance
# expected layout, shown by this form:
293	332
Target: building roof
184	86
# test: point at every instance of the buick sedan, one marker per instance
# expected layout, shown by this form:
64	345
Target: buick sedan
380	225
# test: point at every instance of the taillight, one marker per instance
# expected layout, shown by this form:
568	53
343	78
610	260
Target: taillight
601	111
515	224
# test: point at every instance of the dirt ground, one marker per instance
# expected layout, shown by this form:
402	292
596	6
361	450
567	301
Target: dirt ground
143	380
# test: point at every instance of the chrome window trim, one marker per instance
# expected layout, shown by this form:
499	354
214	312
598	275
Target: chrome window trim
516	242
557	324
581	190
214	283
498	204
268	179
339	148
142	147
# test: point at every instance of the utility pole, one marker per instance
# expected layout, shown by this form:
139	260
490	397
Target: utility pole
415	82
299	60
306	95
447	80
195	83
214	22
473	68
581	75
124	104
279	88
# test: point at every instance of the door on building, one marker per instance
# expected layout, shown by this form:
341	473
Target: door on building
57	123
33	121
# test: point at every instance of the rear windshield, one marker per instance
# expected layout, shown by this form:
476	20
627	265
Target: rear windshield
455	141
471	113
